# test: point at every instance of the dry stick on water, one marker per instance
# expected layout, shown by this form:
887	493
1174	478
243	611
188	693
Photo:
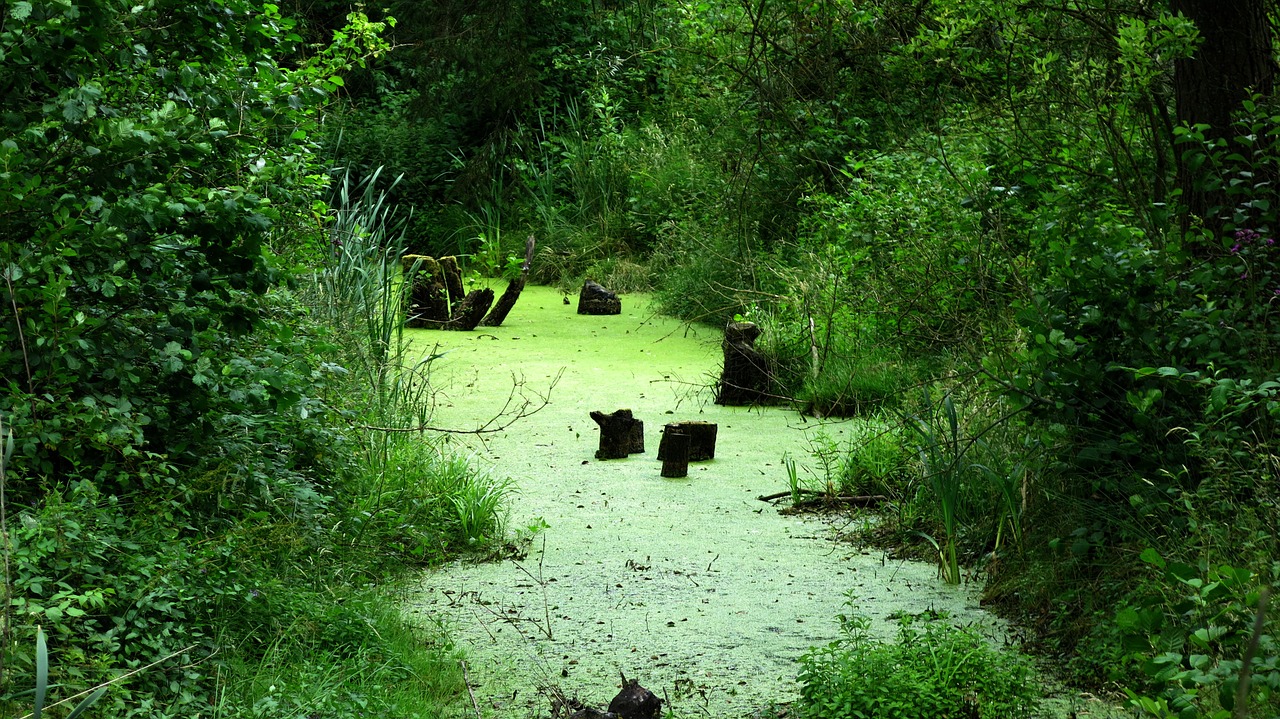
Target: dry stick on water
546	606
467	680
1246	668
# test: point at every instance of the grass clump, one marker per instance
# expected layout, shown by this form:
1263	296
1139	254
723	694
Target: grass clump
932	671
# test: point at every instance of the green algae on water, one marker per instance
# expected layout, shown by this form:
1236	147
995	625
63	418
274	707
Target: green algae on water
694	587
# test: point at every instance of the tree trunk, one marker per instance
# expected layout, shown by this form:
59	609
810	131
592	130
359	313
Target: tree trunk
428	300
675	461
701	440
617	434
452	279
746	378
1233	60
514	288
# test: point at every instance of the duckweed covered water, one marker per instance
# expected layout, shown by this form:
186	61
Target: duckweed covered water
704	594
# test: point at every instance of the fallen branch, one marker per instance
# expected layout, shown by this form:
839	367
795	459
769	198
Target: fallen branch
500	421
857	500
467	680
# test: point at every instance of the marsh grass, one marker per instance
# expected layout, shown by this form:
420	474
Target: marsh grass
942	455
359	658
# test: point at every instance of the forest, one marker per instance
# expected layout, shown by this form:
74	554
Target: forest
1028	240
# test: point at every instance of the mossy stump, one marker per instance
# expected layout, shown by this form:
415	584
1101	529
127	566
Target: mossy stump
596	300
746	378
435	295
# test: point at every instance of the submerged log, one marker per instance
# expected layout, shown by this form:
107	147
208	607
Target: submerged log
617	433
746	378
596	300
702	440
514	288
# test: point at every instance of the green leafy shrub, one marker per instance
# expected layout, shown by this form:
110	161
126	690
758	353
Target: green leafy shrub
1192	640
934	671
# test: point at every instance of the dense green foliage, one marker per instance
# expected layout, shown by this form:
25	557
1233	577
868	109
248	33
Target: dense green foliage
188	493
1034	242
932	671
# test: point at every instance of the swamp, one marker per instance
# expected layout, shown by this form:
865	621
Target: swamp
569	359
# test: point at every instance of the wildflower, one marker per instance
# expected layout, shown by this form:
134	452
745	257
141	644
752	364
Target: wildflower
1235	248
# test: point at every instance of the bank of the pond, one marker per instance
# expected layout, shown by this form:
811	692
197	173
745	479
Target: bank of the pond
705	594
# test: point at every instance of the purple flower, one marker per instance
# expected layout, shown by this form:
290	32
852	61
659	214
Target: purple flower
1244	275
1269	241
1235	249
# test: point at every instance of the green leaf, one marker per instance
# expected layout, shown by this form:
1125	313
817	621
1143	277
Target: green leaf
1152	557
20	10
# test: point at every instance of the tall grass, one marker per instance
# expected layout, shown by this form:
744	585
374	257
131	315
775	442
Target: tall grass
943	458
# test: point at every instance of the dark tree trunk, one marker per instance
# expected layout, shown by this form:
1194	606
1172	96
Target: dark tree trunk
746	378
508	300
452	279
428	299
1233	60
470	310
617	434
675	453
702	440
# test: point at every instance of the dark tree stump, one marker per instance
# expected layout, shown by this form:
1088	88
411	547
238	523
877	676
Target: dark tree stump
702	439
616	433
428	299
746	378
596	300
635	702
470	310
674	451
508	300
637	438
452	276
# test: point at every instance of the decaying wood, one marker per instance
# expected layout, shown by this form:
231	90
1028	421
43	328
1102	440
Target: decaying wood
635	702
674	451
702	439
856	500
508	300
596	300
617	433
428	298
452	275
746	378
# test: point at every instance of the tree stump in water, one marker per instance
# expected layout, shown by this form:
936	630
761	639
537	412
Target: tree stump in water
596	300
674	453
452	276
637	438
470	310
746	378
514	288
435	295
618	434
702	440
635	702
428	298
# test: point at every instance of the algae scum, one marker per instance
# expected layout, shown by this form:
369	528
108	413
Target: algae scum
693	586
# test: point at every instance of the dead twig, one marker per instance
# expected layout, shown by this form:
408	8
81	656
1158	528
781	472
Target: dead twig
466	679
